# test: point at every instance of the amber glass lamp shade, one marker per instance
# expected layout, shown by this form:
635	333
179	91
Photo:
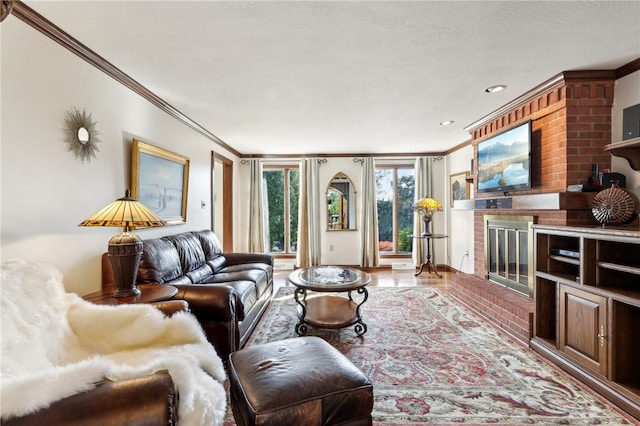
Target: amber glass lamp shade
125	249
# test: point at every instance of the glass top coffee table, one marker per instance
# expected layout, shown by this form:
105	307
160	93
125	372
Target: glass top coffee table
330	310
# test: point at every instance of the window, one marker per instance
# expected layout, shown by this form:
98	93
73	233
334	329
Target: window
395	195
281	209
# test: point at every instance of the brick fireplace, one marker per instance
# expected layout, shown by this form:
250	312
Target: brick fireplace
571	124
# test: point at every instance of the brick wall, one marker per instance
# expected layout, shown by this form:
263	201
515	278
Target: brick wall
507	310
588	127
571	124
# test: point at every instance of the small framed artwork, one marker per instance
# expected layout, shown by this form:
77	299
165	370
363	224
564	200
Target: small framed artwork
160	181
458	187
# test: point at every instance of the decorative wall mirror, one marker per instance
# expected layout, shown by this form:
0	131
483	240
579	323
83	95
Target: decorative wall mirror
81	135
341	204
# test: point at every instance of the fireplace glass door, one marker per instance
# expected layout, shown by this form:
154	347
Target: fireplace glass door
508	252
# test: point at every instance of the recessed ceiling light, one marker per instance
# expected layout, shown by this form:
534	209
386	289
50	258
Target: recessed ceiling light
495	89
447	123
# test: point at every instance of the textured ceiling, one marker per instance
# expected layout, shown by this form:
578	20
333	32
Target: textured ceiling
303	77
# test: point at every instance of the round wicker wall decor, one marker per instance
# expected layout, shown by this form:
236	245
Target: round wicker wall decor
614	206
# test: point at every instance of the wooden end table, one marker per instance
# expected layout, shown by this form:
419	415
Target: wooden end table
428	263
149	293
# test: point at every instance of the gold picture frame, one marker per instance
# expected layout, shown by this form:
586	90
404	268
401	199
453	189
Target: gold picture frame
160	181
459	188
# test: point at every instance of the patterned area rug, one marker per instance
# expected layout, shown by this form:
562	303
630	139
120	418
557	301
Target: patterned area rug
431	361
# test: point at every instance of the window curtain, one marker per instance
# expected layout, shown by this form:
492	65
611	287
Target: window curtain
370	256
309	208
423	167
256	210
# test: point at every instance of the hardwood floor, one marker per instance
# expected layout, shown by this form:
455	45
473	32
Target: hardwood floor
388	278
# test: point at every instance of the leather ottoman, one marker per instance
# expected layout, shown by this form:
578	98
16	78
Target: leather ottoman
298	381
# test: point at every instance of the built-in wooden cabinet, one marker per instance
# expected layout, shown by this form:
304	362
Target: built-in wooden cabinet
583	323
587	307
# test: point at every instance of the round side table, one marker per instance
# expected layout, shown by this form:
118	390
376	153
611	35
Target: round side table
149	293
428	238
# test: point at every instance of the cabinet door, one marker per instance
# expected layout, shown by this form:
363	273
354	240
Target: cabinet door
583	328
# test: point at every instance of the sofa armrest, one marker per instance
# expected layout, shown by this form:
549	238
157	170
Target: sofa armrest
140	401
170	307
209	301
240	258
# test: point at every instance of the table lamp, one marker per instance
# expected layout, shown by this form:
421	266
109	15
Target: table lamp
426	207
125	249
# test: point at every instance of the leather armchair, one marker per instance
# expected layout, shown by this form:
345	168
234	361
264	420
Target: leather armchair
150	400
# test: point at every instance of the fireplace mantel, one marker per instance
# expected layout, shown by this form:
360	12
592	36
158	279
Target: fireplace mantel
546	201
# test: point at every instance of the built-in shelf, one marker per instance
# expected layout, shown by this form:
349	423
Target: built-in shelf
564	259
587	309
628	149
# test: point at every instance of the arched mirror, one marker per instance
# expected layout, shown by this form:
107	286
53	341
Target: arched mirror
341	204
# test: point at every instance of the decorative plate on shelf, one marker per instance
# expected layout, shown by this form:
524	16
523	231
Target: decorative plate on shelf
613	206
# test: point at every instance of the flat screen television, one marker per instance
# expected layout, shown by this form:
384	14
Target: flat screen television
503	161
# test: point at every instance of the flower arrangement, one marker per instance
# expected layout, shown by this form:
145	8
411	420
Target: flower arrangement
426	207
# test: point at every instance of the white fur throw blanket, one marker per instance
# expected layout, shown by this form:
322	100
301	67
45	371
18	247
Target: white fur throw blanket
55	344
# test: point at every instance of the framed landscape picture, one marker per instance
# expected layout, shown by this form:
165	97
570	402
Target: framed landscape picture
160	181
458	187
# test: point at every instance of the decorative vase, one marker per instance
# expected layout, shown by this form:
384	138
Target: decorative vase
614	206
426	220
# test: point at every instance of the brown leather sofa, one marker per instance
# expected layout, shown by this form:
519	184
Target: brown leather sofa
227	292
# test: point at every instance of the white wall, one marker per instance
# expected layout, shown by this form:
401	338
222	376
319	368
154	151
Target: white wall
440	219
460	222
626	94
341	247
45	192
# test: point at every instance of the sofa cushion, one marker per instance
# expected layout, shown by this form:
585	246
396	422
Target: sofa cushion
200	274
212	249
217	263
248	267
192	256
246	295
210	243
254	270
258	277
189	249
160	262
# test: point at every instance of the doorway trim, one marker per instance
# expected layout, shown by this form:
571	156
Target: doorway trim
226	198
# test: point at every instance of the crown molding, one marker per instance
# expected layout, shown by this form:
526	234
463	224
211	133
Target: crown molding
627	69
7	5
